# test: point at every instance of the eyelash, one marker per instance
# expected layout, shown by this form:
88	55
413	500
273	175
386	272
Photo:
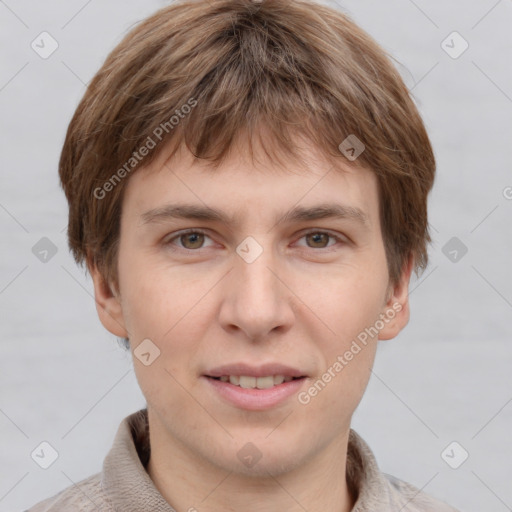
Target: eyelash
200	231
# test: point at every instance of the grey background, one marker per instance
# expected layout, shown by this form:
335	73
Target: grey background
63	378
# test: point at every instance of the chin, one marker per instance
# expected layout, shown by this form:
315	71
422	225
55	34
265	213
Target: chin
269	469
267	462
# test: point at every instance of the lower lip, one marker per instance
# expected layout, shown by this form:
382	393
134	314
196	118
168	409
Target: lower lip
256	399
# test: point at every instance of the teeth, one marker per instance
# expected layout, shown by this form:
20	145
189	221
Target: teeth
247	382
278	379
264	382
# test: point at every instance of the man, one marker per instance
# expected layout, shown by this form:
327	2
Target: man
247	184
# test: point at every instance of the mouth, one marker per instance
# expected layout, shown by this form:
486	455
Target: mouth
251	382
254	388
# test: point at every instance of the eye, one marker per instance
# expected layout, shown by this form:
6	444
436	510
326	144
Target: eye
320	239
191	239
194	239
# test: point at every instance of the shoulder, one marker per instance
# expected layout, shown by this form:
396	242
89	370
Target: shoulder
84	496
377	490
412	499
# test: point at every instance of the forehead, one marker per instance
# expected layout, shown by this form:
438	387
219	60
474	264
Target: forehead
242	187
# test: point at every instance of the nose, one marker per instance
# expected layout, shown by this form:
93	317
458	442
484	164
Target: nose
256	299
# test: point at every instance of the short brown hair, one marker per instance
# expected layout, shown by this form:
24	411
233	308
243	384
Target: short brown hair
223	67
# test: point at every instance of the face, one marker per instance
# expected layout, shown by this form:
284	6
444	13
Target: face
266	277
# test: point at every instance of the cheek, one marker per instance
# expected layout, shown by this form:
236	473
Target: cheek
347	355
352	302
168	311
158	300
350	309
175	313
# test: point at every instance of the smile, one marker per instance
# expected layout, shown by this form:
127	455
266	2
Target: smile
249	382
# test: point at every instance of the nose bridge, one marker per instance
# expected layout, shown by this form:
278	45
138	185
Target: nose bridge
256	301
257	282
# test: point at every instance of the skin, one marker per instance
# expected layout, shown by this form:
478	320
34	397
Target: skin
301	302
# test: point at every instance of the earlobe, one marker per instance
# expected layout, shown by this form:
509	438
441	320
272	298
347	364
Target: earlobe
108	304
396	310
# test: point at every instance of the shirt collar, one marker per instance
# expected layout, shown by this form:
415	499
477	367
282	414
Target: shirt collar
124	477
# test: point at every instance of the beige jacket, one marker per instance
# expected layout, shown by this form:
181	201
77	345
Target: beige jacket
124	485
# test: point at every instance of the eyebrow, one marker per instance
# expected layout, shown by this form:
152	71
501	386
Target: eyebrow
297	214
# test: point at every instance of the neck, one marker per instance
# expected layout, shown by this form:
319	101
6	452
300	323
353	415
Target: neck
191	483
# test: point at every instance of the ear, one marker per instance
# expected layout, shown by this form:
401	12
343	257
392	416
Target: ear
395	313
108	304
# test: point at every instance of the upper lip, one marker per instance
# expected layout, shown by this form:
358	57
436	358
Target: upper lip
255	371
